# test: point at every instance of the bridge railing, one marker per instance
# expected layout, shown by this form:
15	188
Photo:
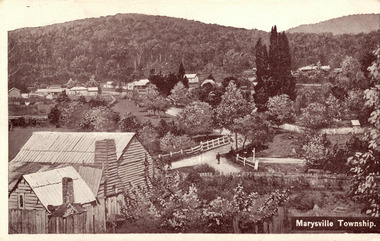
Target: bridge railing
202	147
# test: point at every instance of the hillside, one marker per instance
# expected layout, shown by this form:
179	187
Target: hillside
127	46
352	24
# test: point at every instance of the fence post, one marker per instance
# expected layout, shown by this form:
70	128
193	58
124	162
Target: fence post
244	160
237	157
181	151
255	160
201	146
171	154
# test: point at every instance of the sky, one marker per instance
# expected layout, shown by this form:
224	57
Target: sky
249	14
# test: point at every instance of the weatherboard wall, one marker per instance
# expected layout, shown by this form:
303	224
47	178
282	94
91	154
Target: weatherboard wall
31	201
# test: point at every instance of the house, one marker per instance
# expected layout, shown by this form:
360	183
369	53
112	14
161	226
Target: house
14	93
142	86
110	163
78	90
109	84
50	93
193	80
93	91
41	190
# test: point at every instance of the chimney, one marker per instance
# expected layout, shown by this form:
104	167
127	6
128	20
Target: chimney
67	190
105	155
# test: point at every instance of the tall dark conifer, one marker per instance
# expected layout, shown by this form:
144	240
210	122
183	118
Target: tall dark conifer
261	96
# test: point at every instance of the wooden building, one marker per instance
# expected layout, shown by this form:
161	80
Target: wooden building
37	191
110	163
193	80
14	93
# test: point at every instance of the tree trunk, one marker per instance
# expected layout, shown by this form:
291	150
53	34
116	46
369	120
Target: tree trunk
236	141
245	138
235	224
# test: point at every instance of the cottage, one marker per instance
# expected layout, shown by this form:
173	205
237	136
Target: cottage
209	82
92	91
50	93
109	84
142	86
14	93
193	80
110	163
38	191
78	91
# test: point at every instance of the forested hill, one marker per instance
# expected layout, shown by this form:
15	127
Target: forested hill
127	46
352	24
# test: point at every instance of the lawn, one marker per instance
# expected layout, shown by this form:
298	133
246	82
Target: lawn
284	144
125	106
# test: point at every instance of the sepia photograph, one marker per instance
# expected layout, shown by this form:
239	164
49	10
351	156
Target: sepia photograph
243	118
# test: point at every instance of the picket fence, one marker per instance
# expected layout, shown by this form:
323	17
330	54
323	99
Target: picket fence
246	161
202	147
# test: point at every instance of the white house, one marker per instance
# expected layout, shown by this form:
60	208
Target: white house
52	93
79	90
193	80
14	92
92	91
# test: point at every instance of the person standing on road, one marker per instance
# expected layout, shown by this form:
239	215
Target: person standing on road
218	158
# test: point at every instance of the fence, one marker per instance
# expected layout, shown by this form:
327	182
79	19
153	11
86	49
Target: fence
328	131
203	146
246	161
39	221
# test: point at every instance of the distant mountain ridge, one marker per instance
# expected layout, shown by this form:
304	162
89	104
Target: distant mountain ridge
352	24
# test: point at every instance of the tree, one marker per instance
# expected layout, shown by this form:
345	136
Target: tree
196	118
180	95
55	116
152	100
71	83
170	142
149	138
92	82
356	107
100	118
129	123
351	76
253	127
366	165
317	151
314	116
232	106
281	109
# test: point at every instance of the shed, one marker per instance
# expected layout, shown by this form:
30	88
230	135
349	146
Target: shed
14	93
78	90
41	189
92	91
193	80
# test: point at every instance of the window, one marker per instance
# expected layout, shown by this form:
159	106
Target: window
21	201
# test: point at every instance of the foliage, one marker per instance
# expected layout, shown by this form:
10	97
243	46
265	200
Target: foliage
55	116
196	118
180	95
98	101
149	137
170	142
71	83
280	109
254	128
152	100
351	76
100	119
355	106
366	165
129	123
317	151
314	116
232	106
116	47
92	82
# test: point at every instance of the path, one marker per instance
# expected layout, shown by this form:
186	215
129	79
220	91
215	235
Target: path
209	158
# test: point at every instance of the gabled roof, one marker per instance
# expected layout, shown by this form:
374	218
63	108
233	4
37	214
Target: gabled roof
210	81
190	76
95	89
13	88
78	88
141	82
48	186
68	147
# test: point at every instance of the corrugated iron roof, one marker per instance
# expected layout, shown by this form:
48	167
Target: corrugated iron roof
142	82
68	147
92	177
48	186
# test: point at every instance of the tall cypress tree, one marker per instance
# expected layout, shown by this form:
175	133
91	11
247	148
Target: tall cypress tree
273	69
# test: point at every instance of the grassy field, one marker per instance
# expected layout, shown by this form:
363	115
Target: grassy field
125	106
283	145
